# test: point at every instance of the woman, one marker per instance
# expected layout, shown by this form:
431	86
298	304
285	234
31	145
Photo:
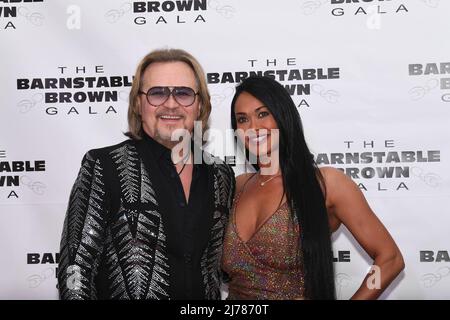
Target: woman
278	241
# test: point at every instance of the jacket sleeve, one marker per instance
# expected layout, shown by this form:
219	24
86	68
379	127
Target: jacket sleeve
225	278
83	232
232	188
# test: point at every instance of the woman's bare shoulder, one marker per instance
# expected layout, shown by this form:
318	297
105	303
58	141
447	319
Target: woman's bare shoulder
336	181
242	179
333	176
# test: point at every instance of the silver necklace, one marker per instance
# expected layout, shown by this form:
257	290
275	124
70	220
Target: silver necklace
264	182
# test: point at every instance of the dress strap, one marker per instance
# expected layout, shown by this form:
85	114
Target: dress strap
245	183
241	191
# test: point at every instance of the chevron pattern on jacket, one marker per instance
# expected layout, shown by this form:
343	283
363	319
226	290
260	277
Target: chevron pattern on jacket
113	243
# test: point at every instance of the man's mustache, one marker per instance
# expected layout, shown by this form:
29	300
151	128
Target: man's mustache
169	112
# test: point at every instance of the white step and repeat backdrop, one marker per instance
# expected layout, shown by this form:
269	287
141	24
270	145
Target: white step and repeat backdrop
371	80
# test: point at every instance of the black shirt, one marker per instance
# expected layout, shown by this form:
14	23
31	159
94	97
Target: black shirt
191	231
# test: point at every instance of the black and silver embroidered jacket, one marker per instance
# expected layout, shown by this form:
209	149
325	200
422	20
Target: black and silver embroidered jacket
114	241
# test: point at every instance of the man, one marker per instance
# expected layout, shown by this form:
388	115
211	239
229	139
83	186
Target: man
138	225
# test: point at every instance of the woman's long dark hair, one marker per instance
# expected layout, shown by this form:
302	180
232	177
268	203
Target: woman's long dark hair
302	184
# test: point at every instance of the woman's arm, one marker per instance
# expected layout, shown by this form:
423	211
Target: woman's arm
346	204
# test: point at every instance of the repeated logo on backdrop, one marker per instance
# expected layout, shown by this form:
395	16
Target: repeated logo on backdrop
434	78
74	91
356	8
436	277
14	13
160	12
299	81
18	176
365	7
437	263
156	12
379	166
46	268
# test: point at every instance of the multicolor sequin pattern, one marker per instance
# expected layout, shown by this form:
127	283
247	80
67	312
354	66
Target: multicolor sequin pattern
267	266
